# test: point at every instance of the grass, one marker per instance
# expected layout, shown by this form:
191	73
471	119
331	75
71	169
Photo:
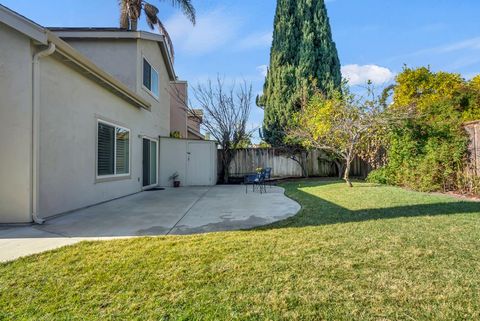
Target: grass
367	253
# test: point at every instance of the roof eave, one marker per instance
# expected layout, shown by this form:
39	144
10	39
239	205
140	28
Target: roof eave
23	25
122	34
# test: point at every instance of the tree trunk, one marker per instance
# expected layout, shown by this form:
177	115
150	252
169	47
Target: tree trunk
226	173
346	175
301	164
227	156
340	168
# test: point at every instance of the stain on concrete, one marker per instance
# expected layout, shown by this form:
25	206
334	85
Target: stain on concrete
227	224
154	230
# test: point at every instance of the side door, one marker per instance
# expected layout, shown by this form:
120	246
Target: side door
198	164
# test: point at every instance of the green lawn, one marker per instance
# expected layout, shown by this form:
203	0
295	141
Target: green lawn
366	253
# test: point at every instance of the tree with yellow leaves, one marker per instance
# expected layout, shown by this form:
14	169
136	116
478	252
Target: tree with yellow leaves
344	125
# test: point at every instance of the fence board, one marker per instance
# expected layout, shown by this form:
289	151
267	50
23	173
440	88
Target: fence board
473	130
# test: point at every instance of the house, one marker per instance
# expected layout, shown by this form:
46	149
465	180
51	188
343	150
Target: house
83	112
183	123
195	118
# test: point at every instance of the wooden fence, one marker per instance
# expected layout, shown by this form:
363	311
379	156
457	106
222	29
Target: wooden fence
473	130
248	160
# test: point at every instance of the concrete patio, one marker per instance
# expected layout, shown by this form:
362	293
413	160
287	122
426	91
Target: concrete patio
186	210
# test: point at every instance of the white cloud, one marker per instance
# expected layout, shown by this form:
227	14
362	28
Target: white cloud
256	40
473	44
212	30
360	74
263	69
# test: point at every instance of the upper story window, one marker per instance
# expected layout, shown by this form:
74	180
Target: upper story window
113	150
150	78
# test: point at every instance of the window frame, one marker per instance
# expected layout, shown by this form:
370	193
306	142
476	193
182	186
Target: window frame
149	90
102	178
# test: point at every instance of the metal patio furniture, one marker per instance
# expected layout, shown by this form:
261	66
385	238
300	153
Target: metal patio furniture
257	179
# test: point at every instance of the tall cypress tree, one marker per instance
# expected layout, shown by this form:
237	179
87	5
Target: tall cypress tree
303	57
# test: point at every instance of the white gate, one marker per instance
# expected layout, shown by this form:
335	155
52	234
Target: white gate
199	157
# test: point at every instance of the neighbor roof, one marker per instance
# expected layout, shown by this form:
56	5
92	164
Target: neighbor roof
118	33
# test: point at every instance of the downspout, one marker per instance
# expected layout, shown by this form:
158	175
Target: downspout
36	130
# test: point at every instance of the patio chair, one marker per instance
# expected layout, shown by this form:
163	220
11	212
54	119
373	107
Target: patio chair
257	179
268	176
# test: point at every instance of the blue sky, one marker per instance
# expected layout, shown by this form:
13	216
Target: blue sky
374	38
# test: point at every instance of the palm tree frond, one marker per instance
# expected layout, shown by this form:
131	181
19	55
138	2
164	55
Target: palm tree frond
168	40
124	15
152	14
187	8
130	11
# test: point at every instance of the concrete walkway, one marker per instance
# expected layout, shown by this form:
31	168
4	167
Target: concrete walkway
186	210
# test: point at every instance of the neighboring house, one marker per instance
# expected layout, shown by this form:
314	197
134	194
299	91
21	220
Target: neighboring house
195	118
182	121
178	110
82	113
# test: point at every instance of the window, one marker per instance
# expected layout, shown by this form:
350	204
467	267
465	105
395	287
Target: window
113	150
150	78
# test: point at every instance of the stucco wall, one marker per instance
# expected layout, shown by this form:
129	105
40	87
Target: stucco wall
161	105
173	158
123	58
178	114
116	56
15	125
70	105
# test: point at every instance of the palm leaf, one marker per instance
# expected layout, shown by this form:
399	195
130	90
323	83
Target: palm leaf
152	14
168	40
187	8
124	15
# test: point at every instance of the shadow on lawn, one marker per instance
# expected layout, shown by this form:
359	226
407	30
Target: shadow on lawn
317	211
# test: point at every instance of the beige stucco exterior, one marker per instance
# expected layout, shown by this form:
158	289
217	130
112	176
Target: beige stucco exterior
68	139
178	112
74	91
123	58
15	125
55	85
109	54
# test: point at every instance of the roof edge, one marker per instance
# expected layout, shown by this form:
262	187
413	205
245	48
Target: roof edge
23	25
117	33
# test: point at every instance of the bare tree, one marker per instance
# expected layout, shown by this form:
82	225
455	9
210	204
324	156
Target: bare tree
226	110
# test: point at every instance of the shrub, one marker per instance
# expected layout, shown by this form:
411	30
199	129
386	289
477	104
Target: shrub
378	176
429	151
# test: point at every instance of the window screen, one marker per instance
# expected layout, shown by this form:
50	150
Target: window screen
147	75
122	151
150	78
113	150
106	149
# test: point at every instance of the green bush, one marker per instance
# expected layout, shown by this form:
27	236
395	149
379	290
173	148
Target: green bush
429	151
378	176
